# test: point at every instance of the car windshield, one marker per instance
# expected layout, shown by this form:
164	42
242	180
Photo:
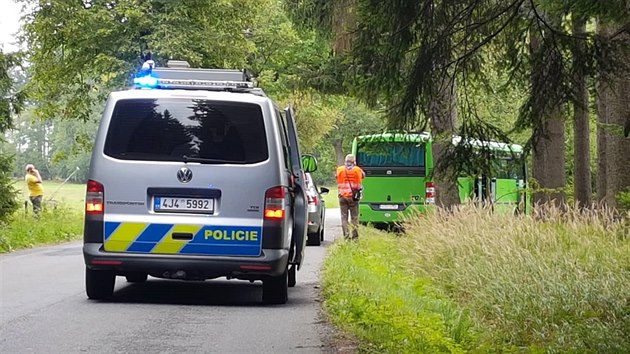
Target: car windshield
183	129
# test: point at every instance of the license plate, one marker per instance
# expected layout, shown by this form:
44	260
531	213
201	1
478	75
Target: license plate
389	207
195	205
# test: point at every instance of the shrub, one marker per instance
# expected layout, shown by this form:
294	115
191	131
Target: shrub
8	194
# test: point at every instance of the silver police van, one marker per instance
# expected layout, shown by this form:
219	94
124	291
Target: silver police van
195	174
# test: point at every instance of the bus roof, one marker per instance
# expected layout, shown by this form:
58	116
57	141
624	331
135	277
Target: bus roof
492	145
425	136
396	137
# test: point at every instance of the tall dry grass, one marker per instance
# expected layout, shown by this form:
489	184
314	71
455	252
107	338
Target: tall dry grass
558	283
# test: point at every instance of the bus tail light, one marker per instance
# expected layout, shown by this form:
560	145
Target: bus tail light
94	198
429	196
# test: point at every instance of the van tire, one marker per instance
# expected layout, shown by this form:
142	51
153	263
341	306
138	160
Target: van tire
136	277
99	284
292	278
276	289
314	239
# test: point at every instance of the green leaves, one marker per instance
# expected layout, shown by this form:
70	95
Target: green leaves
80	51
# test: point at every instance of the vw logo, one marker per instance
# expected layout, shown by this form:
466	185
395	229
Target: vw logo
184	175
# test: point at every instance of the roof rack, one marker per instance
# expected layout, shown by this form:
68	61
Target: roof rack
179	75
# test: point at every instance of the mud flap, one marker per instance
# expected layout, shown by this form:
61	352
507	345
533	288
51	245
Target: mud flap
300	217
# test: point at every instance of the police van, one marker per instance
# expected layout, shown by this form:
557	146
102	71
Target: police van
195	174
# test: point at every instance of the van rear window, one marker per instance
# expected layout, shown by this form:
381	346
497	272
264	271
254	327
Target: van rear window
180	129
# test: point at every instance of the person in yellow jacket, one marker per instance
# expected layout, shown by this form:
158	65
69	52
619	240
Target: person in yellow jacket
35	188
350	187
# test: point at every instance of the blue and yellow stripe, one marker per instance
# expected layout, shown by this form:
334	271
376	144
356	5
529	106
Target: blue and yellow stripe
135	237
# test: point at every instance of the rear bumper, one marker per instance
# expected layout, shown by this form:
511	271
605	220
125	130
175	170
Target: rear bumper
368	214
272	262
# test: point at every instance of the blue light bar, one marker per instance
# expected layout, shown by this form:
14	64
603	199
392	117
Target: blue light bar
147	81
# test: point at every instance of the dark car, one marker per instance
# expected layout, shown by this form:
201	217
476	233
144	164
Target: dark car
316	211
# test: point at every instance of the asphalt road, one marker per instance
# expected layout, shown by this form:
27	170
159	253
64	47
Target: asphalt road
44	309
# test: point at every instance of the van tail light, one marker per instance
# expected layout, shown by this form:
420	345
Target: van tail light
94	198
429	196
276	203
312	199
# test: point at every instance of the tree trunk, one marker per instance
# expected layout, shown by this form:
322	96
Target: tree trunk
548	156
339	154
548	160
613	114
582	145
344	23
602	159
443	119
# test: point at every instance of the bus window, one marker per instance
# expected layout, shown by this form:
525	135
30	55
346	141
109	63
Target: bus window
508	168
390	154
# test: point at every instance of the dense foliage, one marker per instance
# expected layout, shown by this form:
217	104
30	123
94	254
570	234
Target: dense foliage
10	103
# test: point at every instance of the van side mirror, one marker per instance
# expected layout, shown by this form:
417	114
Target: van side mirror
309	163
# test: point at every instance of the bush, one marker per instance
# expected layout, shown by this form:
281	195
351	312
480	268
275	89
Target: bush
55	225
623	199
8	194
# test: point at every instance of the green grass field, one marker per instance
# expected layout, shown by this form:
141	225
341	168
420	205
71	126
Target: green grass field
71	195
60	221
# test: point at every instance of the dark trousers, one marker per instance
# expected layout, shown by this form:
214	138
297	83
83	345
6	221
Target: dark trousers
349	206
37	204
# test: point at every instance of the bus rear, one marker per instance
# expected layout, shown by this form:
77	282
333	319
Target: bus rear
396	168
504	188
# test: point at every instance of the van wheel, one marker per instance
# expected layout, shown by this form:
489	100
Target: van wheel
321	234
136	277
292	280
276	289
99	284
314	239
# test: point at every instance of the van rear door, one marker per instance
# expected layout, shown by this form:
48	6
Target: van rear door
300	204
177	177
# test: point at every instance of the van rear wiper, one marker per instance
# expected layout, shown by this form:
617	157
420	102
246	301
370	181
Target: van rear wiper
202	160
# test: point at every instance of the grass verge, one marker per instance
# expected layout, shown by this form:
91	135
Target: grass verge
370	292
481	282
55	225
331	198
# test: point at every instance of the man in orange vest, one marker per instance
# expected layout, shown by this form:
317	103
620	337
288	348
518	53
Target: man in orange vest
350	187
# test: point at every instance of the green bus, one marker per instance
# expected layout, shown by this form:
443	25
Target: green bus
398	166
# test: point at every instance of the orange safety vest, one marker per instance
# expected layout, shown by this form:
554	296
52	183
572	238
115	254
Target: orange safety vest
349	179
